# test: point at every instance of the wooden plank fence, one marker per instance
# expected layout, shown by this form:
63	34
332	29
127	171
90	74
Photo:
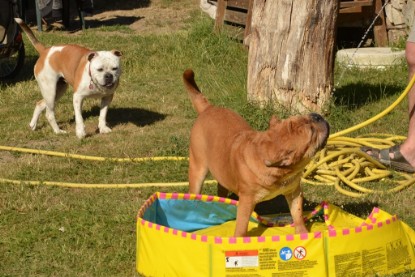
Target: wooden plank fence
352	13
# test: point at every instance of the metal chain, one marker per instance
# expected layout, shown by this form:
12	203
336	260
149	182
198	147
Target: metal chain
361	42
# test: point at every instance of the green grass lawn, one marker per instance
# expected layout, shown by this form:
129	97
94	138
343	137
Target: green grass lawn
55	231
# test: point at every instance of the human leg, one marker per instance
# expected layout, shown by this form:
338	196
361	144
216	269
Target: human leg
408	147
406	151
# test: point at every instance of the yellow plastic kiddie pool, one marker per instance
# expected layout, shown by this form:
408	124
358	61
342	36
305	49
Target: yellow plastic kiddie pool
191	235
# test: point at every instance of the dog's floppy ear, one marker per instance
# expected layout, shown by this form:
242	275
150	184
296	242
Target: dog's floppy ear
92	55
116	53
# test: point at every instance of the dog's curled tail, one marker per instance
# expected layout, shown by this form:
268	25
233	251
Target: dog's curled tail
38	46
200	103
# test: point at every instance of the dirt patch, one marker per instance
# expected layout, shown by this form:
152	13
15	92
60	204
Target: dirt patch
151	20
158	17
6	158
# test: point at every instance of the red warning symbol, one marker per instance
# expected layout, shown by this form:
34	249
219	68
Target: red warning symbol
300	253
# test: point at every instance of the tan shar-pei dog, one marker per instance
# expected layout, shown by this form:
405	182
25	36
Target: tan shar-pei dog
257	166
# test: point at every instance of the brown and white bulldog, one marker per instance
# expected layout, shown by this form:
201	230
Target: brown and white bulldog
257	166
90	73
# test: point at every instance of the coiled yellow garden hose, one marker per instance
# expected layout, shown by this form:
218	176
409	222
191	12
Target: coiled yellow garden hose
341	164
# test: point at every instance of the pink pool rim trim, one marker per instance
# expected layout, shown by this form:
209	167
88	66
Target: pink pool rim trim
332	232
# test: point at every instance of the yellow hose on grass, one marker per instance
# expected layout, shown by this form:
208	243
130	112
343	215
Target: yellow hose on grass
102	186
341	164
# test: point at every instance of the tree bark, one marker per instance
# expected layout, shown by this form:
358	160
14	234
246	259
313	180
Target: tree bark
291	46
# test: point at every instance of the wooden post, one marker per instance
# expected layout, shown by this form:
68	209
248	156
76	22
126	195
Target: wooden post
248	21
220	14
379	30
290	60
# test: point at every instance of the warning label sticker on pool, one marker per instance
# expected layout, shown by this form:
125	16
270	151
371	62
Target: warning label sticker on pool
284	259
243	258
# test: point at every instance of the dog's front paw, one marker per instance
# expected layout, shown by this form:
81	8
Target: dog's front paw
60	131
104	129
32	126
80	133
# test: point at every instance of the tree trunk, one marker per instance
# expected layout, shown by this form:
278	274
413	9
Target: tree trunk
290	61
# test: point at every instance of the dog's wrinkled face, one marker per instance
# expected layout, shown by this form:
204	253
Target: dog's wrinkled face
105	68
298	139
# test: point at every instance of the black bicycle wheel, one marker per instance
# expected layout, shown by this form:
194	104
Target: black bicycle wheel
10	66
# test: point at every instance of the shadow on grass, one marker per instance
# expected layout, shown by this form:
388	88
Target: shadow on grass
117	116
359	94
118	20
108	5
